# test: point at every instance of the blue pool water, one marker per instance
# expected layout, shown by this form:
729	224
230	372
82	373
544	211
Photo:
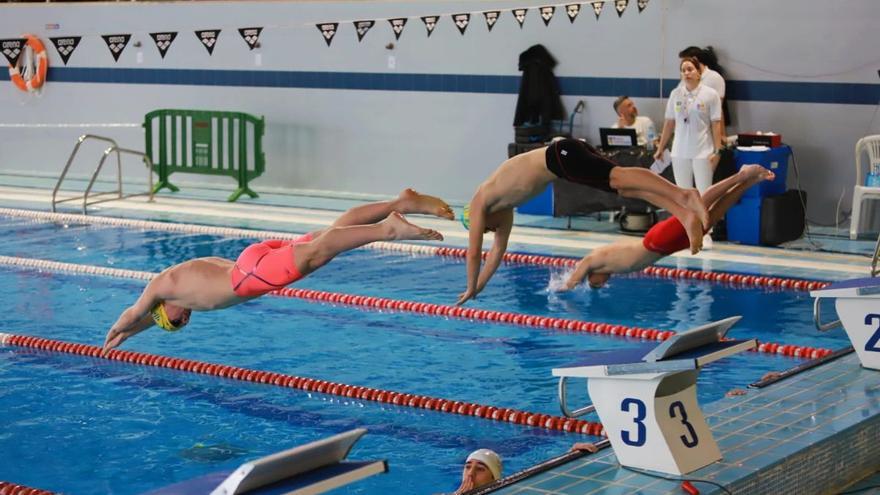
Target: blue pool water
83	425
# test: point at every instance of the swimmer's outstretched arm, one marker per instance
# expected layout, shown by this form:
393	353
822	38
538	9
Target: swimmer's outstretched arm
496	254
587	265
475	247
136	318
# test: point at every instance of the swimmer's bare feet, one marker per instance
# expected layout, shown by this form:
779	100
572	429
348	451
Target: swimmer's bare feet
694	202
753	174
411	201
400	229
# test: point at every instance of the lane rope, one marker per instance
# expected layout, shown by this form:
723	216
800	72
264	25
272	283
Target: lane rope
520	319
503	414
7	488
449	252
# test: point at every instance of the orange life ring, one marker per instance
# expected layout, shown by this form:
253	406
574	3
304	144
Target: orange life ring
38	76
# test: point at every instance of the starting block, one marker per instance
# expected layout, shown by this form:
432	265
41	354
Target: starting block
857	303
646	398
309	469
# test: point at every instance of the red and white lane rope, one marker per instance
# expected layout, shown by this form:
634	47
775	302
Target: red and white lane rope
658	272
504	414
532	259
522	319
7	488
519	319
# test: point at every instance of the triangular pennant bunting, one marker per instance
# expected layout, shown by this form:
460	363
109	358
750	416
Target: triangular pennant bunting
251	36
430	23
620	5
573	10
491	18
116	43
361	28
642	4
12	49
163	41
65	46
520	15
328	30
208	37
461	21
547	14
597	8
397	26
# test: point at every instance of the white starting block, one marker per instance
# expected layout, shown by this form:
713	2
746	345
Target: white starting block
646	398
858	305
309	469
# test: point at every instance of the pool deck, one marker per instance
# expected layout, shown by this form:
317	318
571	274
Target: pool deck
816	432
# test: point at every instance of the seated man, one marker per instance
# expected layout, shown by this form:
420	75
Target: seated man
524	176
205	284
664	238
628	118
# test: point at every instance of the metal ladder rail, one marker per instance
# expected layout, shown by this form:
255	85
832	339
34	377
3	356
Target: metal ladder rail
563	401
147	162
73	153
875	270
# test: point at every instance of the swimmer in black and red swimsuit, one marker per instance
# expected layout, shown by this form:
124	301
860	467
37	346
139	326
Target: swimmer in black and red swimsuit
577	161
665	237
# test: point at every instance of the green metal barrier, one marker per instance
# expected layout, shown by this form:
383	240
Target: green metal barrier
205	142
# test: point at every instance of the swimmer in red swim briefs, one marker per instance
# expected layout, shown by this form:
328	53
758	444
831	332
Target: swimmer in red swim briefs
665	237
204	284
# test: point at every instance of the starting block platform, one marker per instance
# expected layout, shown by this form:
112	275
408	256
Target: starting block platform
857	303
646	397
309	469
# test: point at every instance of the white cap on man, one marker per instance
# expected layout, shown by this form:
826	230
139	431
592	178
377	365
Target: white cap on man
489	459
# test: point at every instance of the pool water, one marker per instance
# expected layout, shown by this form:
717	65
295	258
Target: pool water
85	425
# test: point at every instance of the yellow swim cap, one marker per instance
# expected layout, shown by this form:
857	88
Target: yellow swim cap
466	217
160	316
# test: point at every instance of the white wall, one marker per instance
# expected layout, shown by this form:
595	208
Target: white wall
443	142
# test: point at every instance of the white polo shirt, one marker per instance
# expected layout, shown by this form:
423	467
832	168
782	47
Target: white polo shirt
693	113
644	128
714	80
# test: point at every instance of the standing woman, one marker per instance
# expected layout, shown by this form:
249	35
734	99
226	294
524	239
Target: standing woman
694	112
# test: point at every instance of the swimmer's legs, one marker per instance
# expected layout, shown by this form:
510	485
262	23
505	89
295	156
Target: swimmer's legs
721	196
310	256
691	222
409	201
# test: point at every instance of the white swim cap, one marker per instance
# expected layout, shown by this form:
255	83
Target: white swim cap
490	459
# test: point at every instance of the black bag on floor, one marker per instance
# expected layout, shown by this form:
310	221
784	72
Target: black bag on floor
782	217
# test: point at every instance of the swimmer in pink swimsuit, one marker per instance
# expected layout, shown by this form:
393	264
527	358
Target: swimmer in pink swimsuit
266	266
205	284
665	237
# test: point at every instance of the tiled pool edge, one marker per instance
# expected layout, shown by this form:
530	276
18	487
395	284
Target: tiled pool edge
826	439
823	467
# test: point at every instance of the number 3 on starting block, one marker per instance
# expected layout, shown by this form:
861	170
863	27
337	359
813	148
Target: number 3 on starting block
654	422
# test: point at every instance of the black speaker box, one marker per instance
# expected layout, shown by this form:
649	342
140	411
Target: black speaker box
782	217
